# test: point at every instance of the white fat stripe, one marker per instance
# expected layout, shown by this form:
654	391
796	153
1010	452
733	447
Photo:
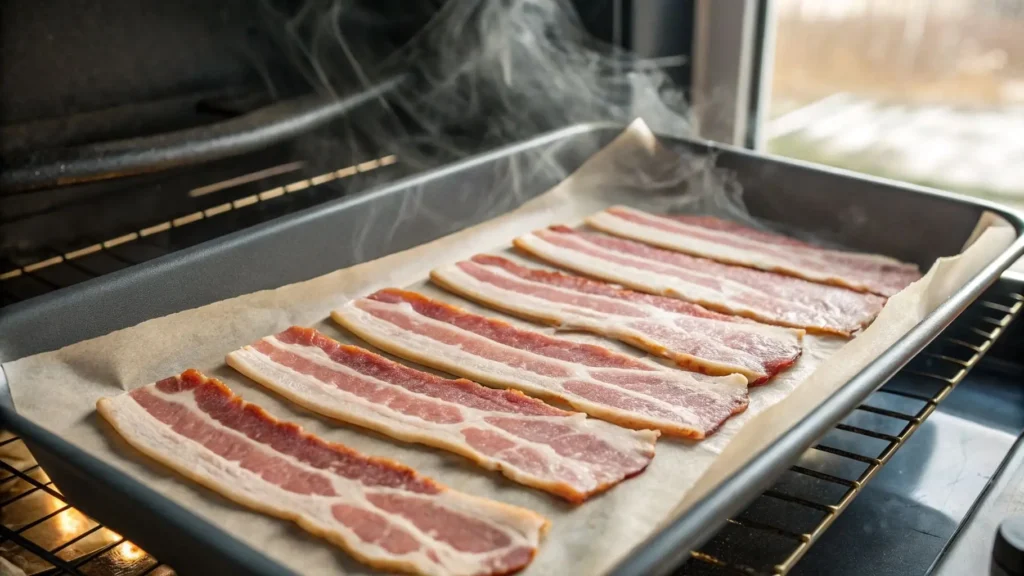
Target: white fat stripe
578	422
155	438
475	366
653	313
333	402
742	364
808	251
666	283
613	326
317	355
751	253
581	372
351	489
611	223
615	272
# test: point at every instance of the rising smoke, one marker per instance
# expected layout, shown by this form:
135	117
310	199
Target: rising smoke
483	72
486	73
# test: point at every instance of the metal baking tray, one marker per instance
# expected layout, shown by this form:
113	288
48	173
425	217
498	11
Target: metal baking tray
910	223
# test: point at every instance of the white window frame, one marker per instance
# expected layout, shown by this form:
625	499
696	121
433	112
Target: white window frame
732	70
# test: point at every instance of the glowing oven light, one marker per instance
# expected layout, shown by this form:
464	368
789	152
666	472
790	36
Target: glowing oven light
69	523
129	552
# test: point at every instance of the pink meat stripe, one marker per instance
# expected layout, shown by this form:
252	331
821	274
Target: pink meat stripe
692	336
381	512
735	244
605	384
532	443
763	296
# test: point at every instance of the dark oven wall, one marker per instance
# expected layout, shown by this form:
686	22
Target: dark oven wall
82	71
94	90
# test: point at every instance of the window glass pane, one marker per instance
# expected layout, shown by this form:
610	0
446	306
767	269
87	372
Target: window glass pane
928	91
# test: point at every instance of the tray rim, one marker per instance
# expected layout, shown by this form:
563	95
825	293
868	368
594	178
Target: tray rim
226	241
665	549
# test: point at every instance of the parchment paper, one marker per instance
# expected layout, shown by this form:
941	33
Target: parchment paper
59	389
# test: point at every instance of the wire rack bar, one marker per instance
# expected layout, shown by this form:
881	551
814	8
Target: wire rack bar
988	327
56	257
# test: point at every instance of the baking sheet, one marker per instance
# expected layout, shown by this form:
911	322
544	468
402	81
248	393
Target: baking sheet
59	389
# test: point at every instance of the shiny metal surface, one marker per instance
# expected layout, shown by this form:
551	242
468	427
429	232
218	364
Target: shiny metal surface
886	490
905	518
40	533
973	546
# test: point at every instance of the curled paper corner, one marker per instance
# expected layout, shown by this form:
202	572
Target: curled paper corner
645	136
987	220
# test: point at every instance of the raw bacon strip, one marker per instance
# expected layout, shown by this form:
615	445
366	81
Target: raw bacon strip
381	512
763	296
595	380
735	244
691	335
532	443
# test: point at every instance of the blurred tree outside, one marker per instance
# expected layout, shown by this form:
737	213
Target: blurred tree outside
928	91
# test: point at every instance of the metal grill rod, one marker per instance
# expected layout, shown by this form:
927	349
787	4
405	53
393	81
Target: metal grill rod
250	200
914	421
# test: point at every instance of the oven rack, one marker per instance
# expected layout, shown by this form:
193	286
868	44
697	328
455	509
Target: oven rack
84	548
40	533
33	512
782	524
255	197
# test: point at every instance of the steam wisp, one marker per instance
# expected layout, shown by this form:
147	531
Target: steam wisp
487	73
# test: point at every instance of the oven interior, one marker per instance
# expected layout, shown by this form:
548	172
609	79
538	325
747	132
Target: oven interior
90	87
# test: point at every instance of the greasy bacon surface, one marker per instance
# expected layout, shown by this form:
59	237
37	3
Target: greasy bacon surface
605	384
530	442
763	296
692	336
381	512
735	244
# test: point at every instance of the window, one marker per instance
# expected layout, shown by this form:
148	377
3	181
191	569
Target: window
927	91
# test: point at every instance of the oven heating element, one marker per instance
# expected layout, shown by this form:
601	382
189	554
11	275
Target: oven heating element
38	272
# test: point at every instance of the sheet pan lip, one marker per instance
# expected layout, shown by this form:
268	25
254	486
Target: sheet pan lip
227	241
662	551
665	549
668	547
1012	215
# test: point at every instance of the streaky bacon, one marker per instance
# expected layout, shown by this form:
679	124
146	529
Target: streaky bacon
530	442
381	512
691	335
605	384
733	243
762	296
